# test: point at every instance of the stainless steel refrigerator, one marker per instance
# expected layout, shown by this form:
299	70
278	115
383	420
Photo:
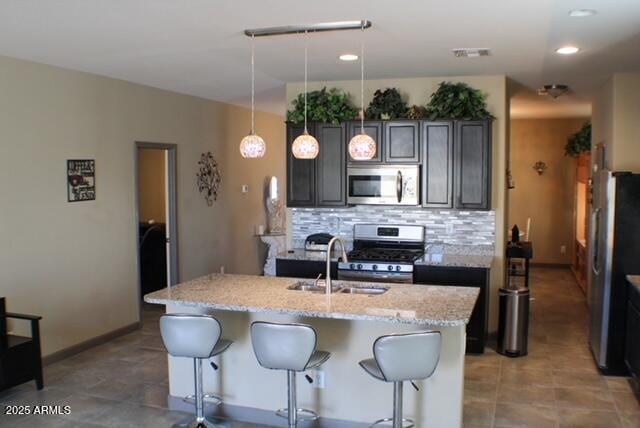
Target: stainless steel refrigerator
615	253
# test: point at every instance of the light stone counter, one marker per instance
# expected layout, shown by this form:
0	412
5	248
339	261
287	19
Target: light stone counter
635	280
402	303
347	326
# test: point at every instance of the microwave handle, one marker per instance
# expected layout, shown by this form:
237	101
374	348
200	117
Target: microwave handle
399	186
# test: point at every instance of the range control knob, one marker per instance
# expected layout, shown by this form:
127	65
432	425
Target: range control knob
375	267
359	266
398	268
352	266
389	267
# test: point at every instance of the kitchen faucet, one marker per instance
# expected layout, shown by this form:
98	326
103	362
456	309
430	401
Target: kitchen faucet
344	260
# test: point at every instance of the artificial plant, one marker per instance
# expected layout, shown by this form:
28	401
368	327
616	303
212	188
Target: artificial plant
326	106
387	104
457	101
579	142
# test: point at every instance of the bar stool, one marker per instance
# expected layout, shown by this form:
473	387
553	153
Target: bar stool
290	347
403	357
197	337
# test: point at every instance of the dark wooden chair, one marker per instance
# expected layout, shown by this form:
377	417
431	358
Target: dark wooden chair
20	357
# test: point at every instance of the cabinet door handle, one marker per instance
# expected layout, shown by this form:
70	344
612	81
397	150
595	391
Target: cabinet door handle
399	186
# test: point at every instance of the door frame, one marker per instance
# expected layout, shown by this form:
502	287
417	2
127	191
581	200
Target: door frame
172	220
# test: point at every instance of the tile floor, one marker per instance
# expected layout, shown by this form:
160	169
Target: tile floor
557	384
123	383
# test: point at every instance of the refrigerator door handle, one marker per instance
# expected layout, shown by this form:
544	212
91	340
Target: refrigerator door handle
596	238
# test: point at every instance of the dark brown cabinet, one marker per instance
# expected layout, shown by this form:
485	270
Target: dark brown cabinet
472	165
372	129
632	348
304	268
401	142
437	165
463	277
320	181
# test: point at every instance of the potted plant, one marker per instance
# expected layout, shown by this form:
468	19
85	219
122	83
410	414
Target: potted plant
387	104
580	142
327	106
457	101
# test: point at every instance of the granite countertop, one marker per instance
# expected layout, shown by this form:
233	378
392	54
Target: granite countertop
402	303
635	280
433	259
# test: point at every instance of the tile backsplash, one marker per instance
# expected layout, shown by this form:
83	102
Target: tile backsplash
455	228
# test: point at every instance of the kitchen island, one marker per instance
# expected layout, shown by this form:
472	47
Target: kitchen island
347	325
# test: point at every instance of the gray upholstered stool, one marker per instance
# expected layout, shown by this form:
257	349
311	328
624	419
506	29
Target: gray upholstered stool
403	357
290	347
197	337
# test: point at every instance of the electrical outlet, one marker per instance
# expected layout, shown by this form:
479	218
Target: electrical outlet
222	270
318	379
563	249
449	228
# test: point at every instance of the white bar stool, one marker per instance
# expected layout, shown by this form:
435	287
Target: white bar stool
197	337
290	347
403	357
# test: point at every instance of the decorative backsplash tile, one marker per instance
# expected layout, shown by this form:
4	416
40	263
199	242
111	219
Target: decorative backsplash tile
450	228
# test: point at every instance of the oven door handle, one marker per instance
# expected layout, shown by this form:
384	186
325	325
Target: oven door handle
399	186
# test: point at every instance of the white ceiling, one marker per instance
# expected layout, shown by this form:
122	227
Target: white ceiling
197	46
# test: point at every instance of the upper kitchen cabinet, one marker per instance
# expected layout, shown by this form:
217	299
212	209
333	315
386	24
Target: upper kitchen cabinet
372	129
320	181
472	165
331	172
437	165
401	142
301	173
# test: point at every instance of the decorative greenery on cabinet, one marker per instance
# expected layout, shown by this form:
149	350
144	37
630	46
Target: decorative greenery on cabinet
457	101
579	142
325	106
387	104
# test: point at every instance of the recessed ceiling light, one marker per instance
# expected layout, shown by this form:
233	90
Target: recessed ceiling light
581	13
348	57
567	50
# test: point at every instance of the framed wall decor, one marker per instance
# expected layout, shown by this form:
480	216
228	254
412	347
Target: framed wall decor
81	180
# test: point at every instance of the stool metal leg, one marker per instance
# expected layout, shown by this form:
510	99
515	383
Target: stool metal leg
293	404
199	421
397	421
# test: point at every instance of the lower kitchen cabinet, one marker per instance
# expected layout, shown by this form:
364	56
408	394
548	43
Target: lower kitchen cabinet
632	353
463	277
304	268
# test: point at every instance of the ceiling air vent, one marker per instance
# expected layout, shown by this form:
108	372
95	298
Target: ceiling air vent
471	52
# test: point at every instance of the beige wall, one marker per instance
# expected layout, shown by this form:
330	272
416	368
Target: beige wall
417	91
616	109
152	187
548	199
75	263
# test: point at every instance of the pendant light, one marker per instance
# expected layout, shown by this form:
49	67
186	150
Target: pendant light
253	146
362	146
305	146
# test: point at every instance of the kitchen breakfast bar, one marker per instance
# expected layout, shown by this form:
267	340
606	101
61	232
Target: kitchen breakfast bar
347	325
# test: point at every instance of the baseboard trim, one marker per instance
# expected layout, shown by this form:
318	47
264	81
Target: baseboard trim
87	344
228	412
552	265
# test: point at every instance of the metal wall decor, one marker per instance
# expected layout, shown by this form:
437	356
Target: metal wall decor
209	178
81	180
540	167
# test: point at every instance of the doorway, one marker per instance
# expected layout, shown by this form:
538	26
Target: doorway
156	231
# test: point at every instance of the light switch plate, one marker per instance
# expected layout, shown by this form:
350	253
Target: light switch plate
245	188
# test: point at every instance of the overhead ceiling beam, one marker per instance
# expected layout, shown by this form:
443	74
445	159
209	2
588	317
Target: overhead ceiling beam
311	28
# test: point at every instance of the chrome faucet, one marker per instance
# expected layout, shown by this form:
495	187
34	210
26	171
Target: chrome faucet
329	251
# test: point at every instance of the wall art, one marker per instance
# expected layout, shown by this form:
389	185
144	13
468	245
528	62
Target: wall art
208	176
81	180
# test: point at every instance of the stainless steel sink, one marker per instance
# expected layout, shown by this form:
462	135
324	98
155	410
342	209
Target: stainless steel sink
364	290
310	286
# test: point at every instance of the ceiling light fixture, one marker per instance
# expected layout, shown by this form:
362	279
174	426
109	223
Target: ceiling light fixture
554	91
253	146
305	146
362	146
582	13
348	57
568	50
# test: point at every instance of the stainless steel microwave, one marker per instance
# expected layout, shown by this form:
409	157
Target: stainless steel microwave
384	185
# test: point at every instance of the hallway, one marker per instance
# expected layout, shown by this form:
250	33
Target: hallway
557	384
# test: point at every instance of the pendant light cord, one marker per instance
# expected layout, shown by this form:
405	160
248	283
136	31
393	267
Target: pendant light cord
362	79
253	87
306	43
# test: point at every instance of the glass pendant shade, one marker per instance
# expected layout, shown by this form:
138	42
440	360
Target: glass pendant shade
305	147
252	146
362	147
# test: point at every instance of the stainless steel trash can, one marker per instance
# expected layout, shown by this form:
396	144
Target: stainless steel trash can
513	327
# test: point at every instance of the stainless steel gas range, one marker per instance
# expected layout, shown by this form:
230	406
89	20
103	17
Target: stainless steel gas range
383	253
